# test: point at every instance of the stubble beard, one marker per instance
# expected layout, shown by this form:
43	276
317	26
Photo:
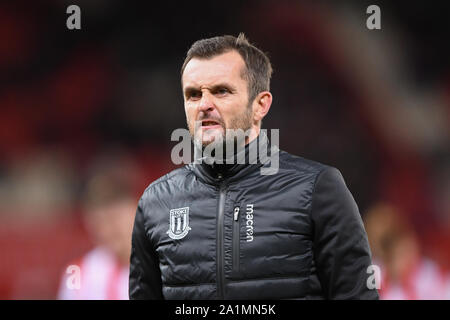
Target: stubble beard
242	121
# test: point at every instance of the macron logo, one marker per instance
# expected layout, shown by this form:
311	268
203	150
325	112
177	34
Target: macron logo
249	222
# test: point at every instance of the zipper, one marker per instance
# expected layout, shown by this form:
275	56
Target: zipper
236	239
220	218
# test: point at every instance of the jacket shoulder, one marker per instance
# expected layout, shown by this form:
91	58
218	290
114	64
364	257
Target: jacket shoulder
313	171
173	176
302	165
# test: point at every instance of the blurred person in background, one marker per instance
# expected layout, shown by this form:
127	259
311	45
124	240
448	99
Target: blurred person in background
406	274
109	208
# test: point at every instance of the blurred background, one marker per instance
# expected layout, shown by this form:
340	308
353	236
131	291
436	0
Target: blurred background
93	109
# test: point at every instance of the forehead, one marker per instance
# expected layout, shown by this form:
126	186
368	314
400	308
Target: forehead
224	67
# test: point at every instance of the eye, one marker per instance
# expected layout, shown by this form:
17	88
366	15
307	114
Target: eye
222	91
194	95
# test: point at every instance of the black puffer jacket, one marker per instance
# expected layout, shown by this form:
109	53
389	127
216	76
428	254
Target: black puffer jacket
228	232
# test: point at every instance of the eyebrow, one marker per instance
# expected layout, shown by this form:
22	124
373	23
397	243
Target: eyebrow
215	87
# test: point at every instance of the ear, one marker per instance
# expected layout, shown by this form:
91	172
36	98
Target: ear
261	105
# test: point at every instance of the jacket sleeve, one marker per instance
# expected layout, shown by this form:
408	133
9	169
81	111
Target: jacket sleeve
145	275
341	249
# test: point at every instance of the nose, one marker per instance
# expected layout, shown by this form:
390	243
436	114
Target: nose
206	103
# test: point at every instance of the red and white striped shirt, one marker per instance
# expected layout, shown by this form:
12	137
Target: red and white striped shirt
102	277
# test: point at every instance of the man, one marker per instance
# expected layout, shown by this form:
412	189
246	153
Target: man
227	231
108	210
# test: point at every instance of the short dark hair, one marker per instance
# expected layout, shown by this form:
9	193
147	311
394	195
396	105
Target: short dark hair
112	178
258	68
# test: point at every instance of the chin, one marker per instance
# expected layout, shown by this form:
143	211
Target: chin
207	142
210	137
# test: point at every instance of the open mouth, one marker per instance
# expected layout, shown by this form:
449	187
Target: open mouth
210	124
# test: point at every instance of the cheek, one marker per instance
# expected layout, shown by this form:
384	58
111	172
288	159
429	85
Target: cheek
190	112
236	110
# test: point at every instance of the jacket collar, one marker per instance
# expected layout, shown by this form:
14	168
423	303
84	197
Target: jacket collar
216	174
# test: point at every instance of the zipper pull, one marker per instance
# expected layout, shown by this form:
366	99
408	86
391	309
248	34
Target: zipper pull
236	213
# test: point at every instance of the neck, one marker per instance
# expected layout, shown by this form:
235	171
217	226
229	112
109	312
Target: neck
242	155
243	161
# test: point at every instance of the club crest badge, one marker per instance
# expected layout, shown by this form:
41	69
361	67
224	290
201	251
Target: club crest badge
178	223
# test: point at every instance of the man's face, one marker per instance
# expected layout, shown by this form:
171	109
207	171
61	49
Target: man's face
216	97
111	225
